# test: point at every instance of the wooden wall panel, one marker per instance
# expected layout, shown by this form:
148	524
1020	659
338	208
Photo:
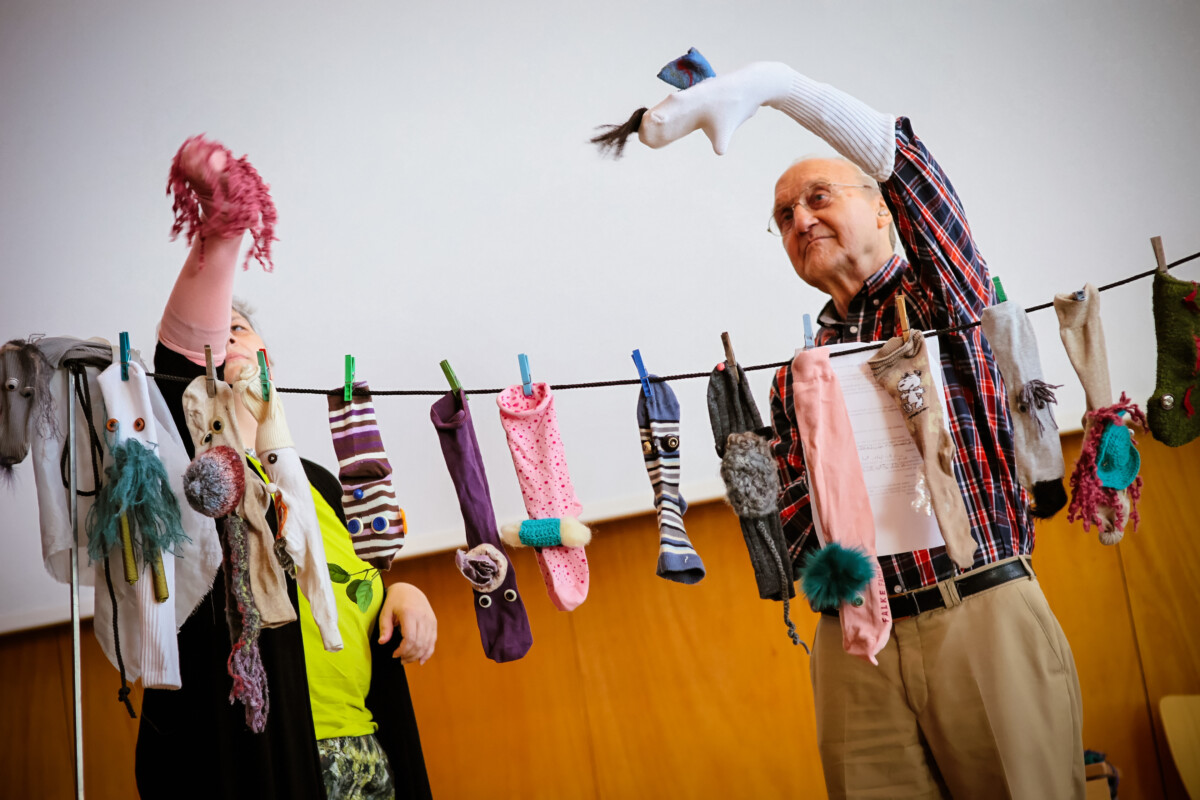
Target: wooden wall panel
656	689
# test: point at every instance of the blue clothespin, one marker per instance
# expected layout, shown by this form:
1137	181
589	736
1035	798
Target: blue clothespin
124	355
526	381
641	368
808	332
349	389
264	374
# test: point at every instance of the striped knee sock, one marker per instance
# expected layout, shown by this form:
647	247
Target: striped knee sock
374	519
658	424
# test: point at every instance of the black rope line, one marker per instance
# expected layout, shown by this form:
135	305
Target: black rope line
681	376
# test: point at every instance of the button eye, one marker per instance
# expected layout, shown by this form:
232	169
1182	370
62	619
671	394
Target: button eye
11	384
217	425
139	424
671	443
510	595
27	392
207	438
358	494
485	601
647	448
112	425
354	526
272	458
1022	408
379	524
857	602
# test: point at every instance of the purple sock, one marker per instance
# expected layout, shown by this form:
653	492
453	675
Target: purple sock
499	609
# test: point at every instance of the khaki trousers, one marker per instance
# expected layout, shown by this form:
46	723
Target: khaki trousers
976	700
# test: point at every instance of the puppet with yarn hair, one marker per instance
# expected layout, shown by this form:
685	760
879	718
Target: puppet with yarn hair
25	399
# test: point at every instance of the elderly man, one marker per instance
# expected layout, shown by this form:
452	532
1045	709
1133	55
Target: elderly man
975	694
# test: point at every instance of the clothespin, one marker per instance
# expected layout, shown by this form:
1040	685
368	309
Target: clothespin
348	389
264	374
1001	297
526	381
124	355
451	377
1160	258
730	361
209	373
903	312
1080	295
808	332
641	368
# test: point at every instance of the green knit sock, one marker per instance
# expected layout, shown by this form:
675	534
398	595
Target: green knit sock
1172	409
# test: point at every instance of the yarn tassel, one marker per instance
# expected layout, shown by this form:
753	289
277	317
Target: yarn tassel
612	141
244	664
1036	395
1088	496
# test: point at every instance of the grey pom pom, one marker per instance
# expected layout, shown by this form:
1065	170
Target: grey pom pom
748	469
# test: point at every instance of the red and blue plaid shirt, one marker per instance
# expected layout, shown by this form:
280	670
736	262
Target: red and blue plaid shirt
945	283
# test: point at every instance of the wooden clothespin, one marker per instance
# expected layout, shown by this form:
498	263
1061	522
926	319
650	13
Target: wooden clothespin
808	332
1001	297
348	388
526	380
730	361
124	355
451	378
641	368
209	373
1160	258
264	374
903	312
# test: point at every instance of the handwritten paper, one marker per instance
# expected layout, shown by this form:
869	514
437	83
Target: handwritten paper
891	463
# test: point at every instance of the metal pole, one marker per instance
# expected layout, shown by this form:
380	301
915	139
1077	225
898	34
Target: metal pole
77	672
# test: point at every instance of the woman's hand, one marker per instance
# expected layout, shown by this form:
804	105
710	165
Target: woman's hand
406	606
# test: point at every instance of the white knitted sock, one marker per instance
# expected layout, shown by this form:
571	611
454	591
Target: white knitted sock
719	106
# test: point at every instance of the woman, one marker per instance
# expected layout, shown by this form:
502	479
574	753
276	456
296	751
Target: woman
340	724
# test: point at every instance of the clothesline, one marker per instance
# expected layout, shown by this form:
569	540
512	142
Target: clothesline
683	376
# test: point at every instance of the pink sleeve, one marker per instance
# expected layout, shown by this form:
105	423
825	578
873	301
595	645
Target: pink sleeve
198	312
537	452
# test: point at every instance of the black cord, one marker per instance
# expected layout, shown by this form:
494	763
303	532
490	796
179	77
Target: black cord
682	376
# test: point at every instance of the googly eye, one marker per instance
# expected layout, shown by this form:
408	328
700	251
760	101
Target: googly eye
27	392
354	526
272	458
485	601
207	438
139	424
217	425
379	524
671	443
647	448
510	595
1022	408
112	425
12	384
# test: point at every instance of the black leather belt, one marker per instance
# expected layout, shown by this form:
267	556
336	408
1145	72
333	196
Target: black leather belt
922	600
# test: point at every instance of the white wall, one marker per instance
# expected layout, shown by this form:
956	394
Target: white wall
437	197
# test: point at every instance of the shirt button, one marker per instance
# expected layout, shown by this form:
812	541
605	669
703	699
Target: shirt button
897	588
875	302
854	329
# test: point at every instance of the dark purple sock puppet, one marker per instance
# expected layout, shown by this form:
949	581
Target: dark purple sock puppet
499	609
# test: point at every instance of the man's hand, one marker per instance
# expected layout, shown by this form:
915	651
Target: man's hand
407	607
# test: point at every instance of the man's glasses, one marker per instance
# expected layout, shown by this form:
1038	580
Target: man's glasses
816	197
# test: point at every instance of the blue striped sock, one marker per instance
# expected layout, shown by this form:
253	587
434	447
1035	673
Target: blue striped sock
658	424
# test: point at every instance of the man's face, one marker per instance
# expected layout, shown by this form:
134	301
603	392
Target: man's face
842	237
243	347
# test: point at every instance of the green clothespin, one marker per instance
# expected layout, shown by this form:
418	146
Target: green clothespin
349	389
264	374
451	378
1001	297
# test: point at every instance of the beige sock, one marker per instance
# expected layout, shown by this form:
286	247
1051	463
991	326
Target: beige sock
902	369
212	422
1082	334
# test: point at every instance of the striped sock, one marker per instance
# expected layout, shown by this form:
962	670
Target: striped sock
658	424
375	521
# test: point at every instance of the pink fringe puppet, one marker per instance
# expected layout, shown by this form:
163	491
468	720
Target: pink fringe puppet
1089	497
239	201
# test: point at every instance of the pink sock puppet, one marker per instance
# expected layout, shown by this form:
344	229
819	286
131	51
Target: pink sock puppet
537	452
845	570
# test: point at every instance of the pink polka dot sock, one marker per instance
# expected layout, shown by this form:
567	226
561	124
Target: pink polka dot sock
537	452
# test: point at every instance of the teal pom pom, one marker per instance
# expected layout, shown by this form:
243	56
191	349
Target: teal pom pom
834	575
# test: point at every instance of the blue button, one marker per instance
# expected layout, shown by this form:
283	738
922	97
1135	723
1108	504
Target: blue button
358	494
353	526
379	524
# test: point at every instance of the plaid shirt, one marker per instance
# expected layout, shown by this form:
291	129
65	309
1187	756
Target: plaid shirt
945	283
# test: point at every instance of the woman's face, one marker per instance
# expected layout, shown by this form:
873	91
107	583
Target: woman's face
243	347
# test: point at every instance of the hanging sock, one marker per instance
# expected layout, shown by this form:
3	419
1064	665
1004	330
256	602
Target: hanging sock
531	427
373	517
845	572
658	426
902	368
1082	333
1030	399
1171	410
751	485
499	610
